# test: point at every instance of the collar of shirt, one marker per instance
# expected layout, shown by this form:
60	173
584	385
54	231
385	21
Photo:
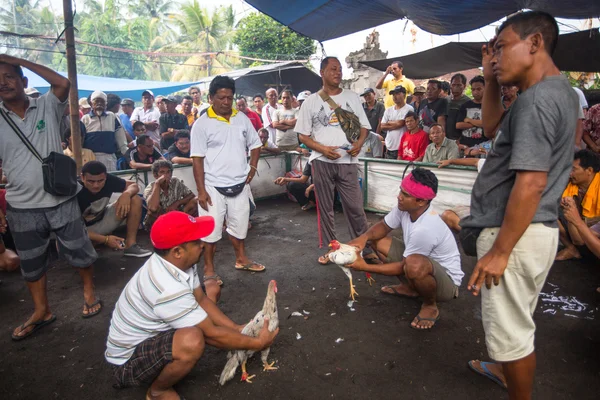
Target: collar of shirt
178	274
212	114
445	142
32	105
93	114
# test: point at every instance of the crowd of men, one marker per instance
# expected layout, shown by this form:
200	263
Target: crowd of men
167	313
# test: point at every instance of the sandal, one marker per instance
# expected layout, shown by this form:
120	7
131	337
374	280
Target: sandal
251	266
88	307
213	277
37	325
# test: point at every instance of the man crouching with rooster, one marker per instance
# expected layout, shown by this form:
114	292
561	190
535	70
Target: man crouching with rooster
163	320
427	260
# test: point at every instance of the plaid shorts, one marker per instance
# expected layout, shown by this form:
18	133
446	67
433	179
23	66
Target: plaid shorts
146	362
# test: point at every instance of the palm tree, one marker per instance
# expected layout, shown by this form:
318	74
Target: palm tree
154	8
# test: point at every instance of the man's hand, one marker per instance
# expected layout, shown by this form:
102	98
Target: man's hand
123	205
308	190
250	176
159	181
266	337
489	268
330	152
280	181
487	53
360	264
115	242
153	125
570	210
3	223
388	70
354	150
204	199
444	163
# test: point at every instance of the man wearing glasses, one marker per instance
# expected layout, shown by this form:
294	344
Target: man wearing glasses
144	154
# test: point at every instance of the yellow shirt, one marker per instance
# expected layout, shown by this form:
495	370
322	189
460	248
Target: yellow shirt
86	155
190	118
390	84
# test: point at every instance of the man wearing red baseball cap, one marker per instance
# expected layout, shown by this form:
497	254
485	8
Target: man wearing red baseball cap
162	319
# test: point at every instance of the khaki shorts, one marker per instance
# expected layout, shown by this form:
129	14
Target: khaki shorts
507	309
109	222
445	287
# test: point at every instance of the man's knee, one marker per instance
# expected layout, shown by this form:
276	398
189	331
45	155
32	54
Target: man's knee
9	262
136	202
417	267
448	217
189	343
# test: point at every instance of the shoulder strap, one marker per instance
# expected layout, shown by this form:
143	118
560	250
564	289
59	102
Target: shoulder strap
327	99
20	134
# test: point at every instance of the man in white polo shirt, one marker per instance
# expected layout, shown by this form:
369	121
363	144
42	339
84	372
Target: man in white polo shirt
220	140
427	257
162	320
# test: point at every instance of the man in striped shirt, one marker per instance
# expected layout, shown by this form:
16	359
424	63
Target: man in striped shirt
162	320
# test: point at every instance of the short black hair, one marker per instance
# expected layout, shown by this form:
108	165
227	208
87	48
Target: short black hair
425	177
435	82
434	125
445	86
241	98
462	78
398	63
288	91
142	139
476	79
412	114
17	69
325	62
93	168
112	100
137	123
530	22
187	97
195	87
221	82
181	135
258	95
588	159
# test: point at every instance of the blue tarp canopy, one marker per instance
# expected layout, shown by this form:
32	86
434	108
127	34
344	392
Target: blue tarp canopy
329	19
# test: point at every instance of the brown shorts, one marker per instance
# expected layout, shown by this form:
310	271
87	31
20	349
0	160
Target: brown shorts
146	363
445	287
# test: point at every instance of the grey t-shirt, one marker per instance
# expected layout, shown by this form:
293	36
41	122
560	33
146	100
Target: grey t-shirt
41	126
537	134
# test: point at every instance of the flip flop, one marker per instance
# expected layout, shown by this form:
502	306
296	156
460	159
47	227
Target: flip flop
251	266
419	319
37	325
396	293
90	306
486	372
213	277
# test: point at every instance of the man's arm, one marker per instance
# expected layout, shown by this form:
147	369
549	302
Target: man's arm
282	180
181	160
254	156
204	199
379	83
59	84
392	125
587	139
464	125
467	162
491	106
153	200
180	202
139	165
271	150
374	233
215	314
442	121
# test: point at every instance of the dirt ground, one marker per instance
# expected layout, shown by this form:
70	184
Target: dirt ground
380	356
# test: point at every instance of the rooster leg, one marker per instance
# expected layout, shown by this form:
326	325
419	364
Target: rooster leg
245	376
369	278
269	367
352	291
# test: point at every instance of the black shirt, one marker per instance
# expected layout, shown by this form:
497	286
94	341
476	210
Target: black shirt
134	155
453	108
175	121
429	112
375	114
471	136
175	152
92	206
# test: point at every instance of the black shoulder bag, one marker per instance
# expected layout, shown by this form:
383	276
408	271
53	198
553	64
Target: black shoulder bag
59	171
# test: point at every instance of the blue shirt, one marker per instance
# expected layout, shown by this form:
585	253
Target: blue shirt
126	123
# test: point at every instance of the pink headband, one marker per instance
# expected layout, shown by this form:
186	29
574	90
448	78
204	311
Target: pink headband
416	189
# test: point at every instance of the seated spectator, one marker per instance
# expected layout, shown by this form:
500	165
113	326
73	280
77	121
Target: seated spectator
102	218
144	154
591	128
179	152
188	110
426	261
86	154
242	106
414	142
441	148
479	150
393	121
468	120
167	193
302	96
418	97
584	188
302	191
9	260
171	123
113	103
160	104
284	121
268	147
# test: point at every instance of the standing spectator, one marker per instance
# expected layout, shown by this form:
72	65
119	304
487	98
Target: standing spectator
509	95
468	120
268	113
242	106
33	93
302	96
143	154
104	134
258	101
113	103
197	102
9	260
515	198
398	79
187	109
446	89
267	146
179	152
435	109
591	128
417	97
374	110
86	154
171	123
32	212
284	120
127	106
84	107
300	188
441	148
223	182
149	115
583	105
160	104
414	141
333	167
457	98
393	122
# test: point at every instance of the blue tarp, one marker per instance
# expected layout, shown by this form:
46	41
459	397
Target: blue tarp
329	19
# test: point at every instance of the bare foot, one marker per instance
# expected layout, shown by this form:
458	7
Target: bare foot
402	290
426	318
29	326
568	253
169	394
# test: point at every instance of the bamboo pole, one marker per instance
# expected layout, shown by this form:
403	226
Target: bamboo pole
72	74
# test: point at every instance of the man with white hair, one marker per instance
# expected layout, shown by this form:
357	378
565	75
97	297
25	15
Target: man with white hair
104	134
268	113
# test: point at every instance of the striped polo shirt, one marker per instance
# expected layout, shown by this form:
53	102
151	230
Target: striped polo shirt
158	298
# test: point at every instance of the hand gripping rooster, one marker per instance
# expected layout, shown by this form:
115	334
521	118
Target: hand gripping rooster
344	254
240	357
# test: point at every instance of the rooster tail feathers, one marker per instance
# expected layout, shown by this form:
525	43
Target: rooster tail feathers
229	370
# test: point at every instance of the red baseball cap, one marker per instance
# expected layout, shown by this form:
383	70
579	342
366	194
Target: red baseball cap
176	227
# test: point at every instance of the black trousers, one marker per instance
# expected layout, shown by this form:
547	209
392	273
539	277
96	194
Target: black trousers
297	190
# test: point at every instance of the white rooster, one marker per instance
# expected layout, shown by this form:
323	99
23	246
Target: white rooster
344	254
240	357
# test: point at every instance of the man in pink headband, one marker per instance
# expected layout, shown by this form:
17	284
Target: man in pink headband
426	260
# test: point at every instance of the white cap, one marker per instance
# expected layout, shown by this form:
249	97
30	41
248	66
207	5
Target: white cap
303	95
98	94
30	91
84	103
147	92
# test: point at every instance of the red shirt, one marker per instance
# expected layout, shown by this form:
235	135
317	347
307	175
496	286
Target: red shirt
413	145
254	118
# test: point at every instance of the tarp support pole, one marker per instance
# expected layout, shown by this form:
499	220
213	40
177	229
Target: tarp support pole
365	184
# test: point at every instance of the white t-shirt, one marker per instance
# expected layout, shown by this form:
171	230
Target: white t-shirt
151	115
582	100
318	120
288	137
268	116
428	236
223	145
392	139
